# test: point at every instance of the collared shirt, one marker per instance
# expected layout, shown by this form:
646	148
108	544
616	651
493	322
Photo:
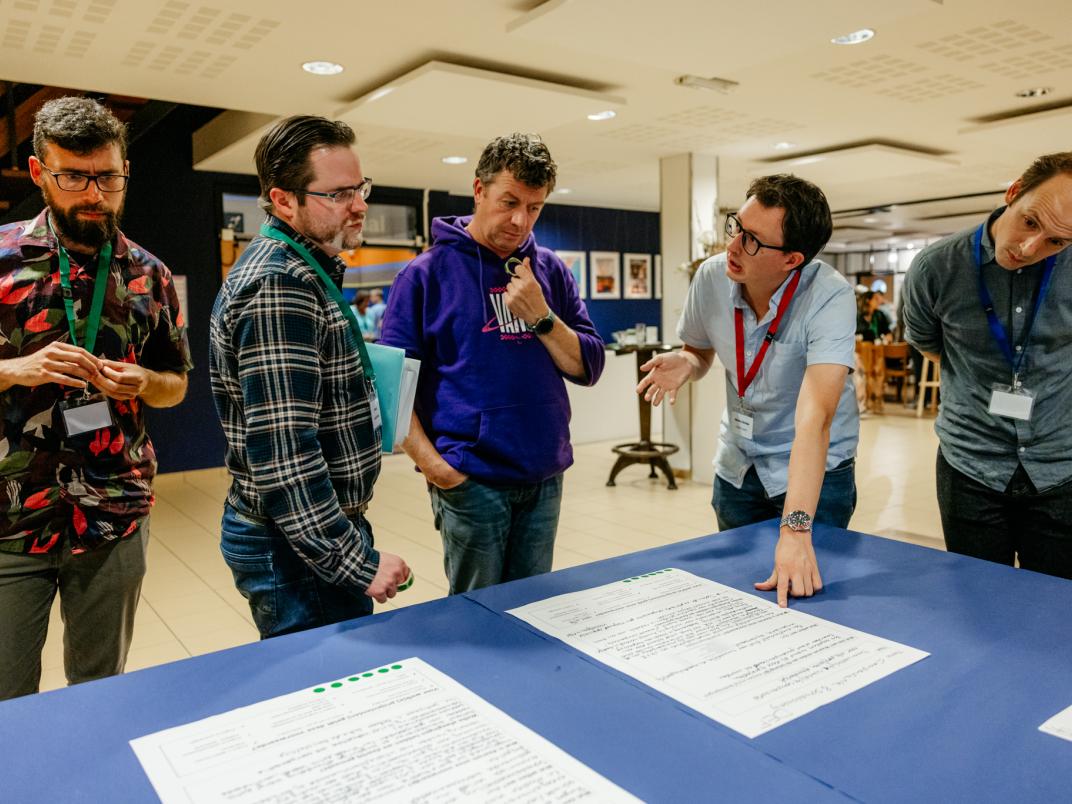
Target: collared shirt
819	327
80	491
291	395
943	314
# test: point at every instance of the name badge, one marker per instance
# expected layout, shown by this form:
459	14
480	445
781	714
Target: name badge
743	421
1011	402
374	405
86	414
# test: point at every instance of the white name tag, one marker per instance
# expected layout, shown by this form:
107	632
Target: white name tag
85	418
374	404
1012	403
743	423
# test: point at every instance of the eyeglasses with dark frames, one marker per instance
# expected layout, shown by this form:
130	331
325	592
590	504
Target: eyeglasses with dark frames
345	196
79	182
749	242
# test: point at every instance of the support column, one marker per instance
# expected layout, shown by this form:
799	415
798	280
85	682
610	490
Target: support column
688	188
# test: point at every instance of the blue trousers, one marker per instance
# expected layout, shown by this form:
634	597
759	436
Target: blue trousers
493	534
284	593
736	507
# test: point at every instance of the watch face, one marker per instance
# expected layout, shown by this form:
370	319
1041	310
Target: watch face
544	325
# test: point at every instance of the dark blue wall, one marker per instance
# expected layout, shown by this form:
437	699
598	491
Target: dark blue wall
588	229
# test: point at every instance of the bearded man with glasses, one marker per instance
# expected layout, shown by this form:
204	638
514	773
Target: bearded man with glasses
90	333
298	409
783	323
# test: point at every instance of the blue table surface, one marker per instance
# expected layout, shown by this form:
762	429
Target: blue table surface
961	724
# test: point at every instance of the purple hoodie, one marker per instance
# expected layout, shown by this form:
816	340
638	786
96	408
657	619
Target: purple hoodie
489	396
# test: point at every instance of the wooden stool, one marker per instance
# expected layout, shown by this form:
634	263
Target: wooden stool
925	383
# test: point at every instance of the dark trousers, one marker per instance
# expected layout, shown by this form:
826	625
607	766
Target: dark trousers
1001	526
735	507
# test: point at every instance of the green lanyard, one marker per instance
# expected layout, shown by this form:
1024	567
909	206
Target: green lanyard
329	286
100	284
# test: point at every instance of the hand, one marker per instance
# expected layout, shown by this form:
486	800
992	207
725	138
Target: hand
444	476
122	380
666	374
58	362
524	296
796	571
392	572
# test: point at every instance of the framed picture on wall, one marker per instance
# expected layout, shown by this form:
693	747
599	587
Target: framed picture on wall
638	279
606	275
577	262
658	276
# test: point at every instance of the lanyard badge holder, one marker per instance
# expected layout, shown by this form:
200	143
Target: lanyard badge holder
85	412
1012	401
348	314
742	417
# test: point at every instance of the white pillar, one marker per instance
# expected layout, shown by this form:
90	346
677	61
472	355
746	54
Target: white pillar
688	188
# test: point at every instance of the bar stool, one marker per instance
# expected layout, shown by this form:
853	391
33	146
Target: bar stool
925	382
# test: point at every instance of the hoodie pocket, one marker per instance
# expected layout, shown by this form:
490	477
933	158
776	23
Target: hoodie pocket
530	442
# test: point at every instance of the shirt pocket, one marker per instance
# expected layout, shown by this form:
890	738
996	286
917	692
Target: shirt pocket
783	370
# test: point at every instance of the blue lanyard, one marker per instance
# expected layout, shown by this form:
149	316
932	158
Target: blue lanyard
997	329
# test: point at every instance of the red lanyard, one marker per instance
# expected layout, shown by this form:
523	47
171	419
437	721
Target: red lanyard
772	330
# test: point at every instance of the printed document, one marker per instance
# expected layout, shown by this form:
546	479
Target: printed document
1060	725
735	657
399	733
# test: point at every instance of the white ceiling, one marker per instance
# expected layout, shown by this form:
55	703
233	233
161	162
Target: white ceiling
896	119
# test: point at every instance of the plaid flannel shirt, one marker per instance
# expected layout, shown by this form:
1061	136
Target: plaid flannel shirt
292	398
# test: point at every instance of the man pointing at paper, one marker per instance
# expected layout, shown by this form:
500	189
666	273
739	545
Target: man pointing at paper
291	382
784	324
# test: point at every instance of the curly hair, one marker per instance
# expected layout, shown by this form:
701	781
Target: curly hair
524	155
77	124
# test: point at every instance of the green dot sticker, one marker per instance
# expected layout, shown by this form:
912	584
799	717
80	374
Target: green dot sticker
336	684
383	670
366	675
353	678
319	689
396	667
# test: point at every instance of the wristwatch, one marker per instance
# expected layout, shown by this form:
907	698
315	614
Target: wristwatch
800	521
545	324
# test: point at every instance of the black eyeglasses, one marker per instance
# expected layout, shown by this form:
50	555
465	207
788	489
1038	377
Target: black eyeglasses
346	195
78	182
749	242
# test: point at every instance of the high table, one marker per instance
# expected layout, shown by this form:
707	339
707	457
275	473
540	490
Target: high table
960	725
653	453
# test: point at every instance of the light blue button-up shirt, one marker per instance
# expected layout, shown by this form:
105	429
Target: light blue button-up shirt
819	327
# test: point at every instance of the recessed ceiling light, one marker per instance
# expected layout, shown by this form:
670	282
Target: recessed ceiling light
455	160
380	93
911	245
564	190
322	67
1034	92
870	220
854	38
606	114
783	146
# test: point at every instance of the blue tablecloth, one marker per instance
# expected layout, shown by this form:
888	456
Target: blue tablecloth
960	725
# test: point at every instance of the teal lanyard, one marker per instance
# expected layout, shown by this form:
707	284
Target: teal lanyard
100	284
329	286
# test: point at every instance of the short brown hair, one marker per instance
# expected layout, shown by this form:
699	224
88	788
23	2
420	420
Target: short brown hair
282	155
807	223
79	125
1043	169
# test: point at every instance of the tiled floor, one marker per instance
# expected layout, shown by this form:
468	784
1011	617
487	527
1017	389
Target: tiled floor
189	605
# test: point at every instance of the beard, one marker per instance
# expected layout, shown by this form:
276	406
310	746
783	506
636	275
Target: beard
331	238
92	233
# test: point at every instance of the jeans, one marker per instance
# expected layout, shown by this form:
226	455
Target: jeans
99	592
735	507
1001	526
284	593
493	534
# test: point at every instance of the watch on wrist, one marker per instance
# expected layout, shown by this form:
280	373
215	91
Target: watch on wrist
544	325
799	521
